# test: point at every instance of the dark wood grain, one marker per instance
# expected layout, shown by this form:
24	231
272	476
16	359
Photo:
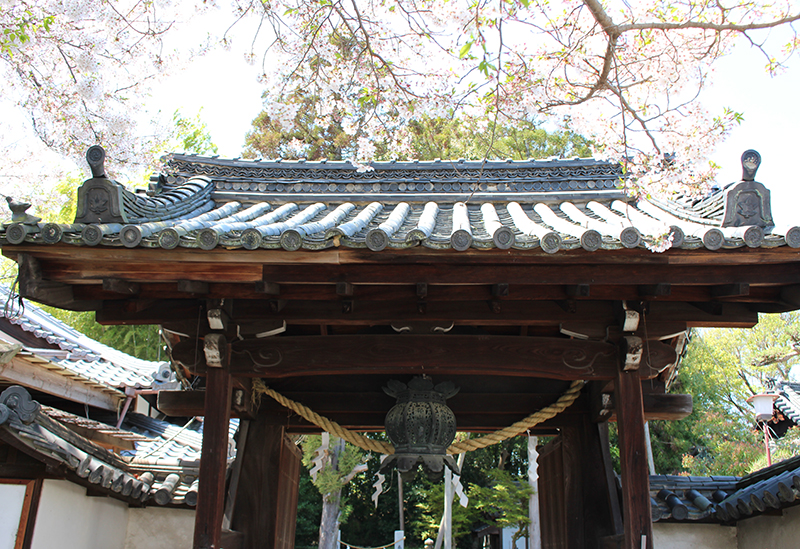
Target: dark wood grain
633	462
213	460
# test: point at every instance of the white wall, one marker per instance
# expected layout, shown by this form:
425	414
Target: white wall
68	518
767	531
12	497
693	536
160	528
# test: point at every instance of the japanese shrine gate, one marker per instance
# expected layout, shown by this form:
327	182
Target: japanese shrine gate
510	279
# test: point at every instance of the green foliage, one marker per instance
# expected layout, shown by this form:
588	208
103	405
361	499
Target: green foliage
504	502
305	139
721	370
191	135
20	30
473	139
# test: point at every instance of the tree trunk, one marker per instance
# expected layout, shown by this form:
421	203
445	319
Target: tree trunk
331	508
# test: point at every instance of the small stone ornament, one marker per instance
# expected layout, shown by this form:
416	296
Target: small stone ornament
421	427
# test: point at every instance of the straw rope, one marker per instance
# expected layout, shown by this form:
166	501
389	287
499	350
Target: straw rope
563	402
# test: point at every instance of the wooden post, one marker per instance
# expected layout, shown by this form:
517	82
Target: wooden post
633	460
213	459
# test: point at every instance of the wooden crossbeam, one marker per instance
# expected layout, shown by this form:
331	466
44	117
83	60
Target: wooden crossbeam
555	358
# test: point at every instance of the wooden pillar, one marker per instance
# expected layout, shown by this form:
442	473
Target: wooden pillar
213	459
265	511
637	522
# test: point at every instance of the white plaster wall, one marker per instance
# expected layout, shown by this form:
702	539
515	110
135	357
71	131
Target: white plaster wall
68	518
694	536
767	531
160	528
12	497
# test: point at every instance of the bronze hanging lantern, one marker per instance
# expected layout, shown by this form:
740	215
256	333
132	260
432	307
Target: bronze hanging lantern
420	426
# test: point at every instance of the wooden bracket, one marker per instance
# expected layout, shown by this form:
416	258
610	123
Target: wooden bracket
218	319
494	305
630	352
422	290
215	347
347	306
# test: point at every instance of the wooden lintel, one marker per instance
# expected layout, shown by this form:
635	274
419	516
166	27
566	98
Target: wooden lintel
712	308
730	290
731	315
556	358
119	286
344	289
579	290
655	290
192	287
269	288
500	290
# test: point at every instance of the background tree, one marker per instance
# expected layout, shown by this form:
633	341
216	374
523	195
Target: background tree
721	369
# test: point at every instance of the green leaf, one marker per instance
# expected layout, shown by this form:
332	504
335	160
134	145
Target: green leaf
465	49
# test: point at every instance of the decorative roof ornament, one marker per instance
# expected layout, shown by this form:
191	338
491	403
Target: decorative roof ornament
421	427
747	203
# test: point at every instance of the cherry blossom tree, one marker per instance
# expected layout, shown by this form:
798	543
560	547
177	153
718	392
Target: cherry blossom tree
624	73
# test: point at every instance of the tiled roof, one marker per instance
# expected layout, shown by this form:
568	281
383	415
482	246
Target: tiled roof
788	401
725	499
79	355
162	468
206	202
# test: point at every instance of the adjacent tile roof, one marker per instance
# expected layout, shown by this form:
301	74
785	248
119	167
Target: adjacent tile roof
788	401
78	355
163	467
207	202
725	499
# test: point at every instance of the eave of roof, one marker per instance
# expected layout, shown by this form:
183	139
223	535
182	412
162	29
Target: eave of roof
207	202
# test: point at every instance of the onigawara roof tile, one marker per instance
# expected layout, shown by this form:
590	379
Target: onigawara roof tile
78	355
725	499
156	461
553	205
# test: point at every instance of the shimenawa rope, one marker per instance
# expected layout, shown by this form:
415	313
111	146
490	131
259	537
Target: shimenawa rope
563	402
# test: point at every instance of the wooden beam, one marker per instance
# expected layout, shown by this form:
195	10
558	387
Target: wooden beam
730	290
213	460
44	376
531	291
556	358
633	462
670	407
419	255
118	286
